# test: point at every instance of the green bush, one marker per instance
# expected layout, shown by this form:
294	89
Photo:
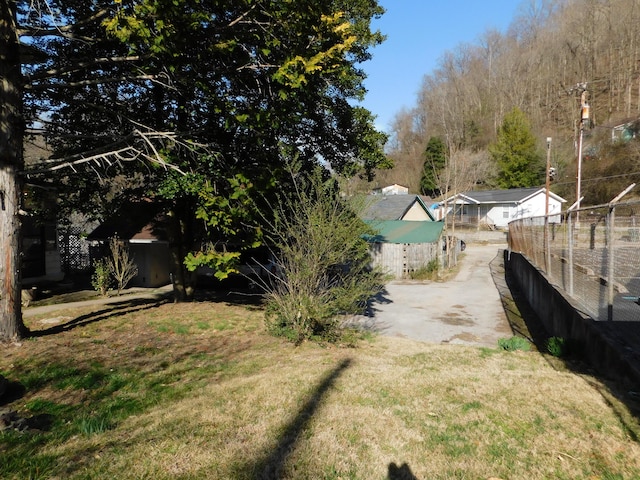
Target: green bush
101	278
557	346
322	260
427	272
514	343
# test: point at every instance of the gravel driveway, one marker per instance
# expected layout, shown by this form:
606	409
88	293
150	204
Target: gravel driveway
465	310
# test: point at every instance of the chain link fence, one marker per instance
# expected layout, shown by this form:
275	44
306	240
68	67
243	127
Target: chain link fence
593	254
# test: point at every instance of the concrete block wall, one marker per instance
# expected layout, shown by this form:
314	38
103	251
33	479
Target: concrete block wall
562	318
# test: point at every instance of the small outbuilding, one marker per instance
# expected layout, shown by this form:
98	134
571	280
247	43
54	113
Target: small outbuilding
141	229
40	252
401	247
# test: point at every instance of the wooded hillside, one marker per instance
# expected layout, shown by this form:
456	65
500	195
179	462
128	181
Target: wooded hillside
553	50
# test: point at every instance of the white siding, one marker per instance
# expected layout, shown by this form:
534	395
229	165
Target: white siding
535	207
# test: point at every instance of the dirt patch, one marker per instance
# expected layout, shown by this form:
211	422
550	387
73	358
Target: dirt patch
54	320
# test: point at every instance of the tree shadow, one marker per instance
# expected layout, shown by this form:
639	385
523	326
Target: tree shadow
367	321
14	391
113	310
380	298
402	472
244	297
271	465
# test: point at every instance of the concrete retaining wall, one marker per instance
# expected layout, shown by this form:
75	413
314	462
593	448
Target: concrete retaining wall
482	236
562	318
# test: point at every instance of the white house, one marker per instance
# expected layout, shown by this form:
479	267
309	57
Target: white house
394	189
496	208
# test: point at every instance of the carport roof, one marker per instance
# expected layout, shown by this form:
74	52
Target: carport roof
401	231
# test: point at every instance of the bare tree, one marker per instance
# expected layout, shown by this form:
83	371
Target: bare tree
463	170
122	266
406	149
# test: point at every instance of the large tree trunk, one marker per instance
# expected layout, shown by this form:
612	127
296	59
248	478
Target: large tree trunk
11	165
180	243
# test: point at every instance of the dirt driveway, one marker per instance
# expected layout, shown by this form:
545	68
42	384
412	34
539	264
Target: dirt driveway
464	310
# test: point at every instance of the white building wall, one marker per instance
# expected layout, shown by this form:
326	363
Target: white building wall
395	189
535	207
497	213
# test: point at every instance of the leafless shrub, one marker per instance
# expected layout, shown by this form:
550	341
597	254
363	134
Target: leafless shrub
121	265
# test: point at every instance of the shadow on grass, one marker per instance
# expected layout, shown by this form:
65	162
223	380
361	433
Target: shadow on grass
402	472
14	391
523	321
244	297
110	311
272	463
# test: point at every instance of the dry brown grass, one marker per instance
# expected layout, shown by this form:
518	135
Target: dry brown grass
218	398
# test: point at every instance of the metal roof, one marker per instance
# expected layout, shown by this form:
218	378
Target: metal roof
513	195
400	231
392	207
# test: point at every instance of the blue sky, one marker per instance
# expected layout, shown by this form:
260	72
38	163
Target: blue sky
418	33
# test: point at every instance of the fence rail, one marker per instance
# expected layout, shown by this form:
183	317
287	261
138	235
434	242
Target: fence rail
401	260
593	254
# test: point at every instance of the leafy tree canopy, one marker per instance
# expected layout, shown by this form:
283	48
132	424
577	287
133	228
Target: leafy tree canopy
240	77
209	92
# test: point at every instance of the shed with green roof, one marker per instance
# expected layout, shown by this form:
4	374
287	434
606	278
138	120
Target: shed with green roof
401	247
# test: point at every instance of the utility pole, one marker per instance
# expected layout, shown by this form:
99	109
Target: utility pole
548	178
584	117
547	246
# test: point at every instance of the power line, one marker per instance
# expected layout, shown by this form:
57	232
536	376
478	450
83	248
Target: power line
594	179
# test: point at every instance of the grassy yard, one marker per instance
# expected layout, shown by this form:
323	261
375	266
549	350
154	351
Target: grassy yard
199	391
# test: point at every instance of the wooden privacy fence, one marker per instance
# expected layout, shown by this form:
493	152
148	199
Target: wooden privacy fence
401	259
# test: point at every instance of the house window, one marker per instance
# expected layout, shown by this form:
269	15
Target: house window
506	211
